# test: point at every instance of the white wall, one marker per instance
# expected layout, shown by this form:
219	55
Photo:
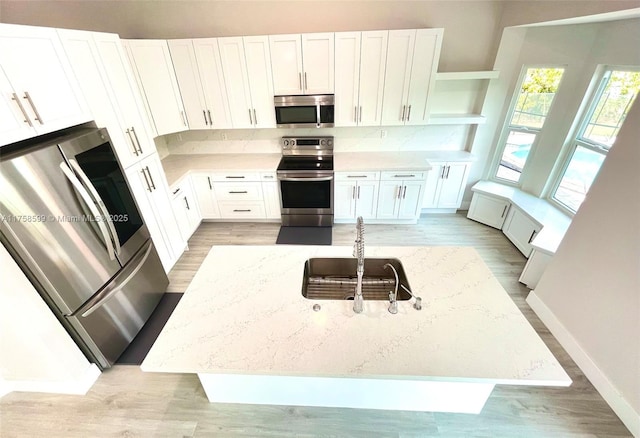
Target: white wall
589	295
39	355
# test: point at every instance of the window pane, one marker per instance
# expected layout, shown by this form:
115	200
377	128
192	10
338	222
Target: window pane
578	177
612	107
515	155
535	98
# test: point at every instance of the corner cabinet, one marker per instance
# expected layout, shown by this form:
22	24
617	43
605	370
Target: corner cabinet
246	63
520	229
360	65
152	64
488	210
39	90
412	63
356	194
302	64
446	183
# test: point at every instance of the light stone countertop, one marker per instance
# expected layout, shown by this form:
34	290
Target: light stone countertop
244	314
178	166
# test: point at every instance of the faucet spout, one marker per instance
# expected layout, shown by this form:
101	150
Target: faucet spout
358	252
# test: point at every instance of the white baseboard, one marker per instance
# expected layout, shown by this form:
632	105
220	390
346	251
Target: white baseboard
78	386
600	381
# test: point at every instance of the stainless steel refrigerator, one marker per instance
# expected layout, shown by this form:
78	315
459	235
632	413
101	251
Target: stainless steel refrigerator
70	221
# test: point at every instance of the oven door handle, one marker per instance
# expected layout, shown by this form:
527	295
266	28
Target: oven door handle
325	178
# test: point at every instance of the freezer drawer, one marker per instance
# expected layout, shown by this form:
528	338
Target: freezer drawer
108	322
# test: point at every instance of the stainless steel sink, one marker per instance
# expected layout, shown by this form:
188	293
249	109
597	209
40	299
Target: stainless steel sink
335	279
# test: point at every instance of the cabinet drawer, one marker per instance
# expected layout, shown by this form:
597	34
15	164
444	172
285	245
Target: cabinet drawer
242	209
403	175
249	191
357	176
235	176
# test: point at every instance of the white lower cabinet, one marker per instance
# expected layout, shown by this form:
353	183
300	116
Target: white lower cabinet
185	208
520	229
400	195
534	268
204	194
446	182
488	210
149	186
355	194
271	194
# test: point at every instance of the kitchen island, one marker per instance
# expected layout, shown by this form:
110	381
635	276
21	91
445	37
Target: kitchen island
244	327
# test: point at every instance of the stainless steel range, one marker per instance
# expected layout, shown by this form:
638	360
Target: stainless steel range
305	174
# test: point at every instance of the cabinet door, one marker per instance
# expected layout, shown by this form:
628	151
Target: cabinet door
373	58
152	63
178	204
184	61
424	66
347	80
432	187
367	199
205	196
389	199
453	185
412	193
126	98
344	200
488	210
236	81
317	62
397	76
14	123
38	70
520	230
260	81
213	84
271	194
286	64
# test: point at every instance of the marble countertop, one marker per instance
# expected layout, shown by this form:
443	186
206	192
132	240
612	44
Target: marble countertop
243	313
178	166
554	222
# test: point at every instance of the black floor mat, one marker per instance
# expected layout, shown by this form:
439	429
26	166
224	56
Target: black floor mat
305	236
141	344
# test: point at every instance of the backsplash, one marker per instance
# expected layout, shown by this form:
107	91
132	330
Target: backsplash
398	138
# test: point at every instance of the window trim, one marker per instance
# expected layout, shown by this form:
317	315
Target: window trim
507	128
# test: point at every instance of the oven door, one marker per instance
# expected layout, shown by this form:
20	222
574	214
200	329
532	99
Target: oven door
306	199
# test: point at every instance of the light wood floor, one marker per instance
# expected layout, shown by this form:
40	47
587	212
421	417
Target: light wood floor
126	402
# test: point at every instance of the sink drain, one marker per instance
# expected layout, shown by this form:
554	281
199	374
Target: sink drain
316	307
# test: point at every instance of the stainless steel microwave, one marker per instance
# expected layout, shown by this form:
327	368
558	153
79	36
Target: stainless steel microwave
305	111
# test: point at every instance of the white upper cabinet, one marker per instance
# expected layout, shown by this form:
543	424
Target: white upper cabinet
412	61
250	96
40	91
152	63
302	64
360	67
199	72
127	102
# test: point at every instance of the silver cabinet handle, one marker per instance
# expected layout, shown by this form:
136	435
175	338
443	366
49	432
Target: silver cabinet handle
300	80
238	192
358	192
444	168
533	234
133	143
355	113
146	180
210	186
409	113
268	176
210	119
184	118
151	178
186	203
242	210
448	170
204	114
404	176
360	115
399	191
356	176
35	110
234	177
305	80
175	191
24	113
250	120
504	210
353	192
135	135
255	118
404	192
404	109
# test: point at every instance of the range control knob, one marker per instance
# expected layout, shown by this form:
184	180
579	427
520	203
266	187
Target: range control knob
323	142
292	142
285	143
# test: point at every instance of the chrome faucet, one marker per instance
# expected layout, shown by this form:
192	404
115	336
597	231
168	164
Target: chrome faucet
358	251
393	296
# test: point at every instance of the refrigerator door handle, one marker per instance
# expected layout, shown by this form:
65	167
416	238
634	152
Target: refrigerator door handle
101	298
92	206
106	217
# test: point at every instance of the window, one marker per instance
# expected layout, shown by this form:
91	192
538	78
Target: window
596	135
537	90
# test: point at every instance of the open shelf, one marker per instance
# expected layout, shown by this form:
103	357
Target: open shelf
468	75
456	119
